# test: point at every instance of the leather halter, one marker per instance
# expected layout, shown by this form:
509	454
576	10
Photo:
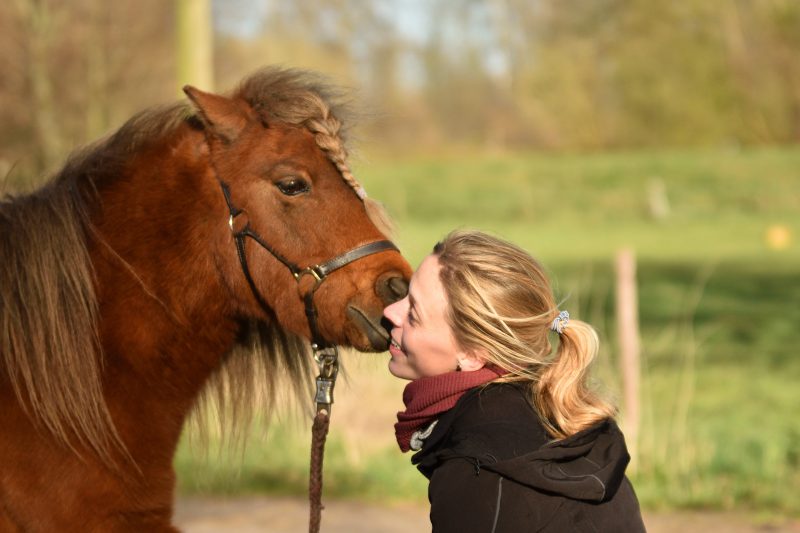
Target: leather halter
325	354
323	350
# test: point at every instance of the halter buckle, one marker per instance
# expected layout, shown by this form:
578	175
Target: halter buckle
313	270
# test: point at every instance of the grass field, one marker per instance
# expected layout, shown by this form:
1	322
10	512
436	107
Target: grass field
719	313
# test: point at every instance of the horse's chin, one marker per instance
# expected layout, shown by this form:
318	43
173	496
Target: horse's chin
374	337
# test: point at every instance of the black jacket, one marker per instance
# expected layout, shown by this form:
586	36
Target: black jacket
493	468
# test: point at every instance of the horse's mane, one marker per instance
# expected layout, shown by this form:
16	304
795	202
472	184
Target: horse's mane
49	344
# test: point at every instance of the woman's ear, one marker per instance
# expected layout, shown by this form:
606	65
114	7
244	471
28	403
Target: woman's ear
471	361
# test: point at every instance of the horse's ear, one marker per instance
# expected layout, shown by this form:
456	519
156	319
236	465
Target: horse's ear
224	117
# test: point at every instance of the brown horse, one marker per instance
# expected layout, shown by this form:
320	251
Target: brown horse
123	299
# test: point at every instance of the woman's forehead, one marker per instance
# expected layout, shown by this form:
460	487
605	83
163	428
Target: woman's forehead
426	287
427	273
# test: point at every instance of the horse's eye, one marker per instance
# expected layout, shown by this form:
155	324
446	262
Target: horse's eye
292	186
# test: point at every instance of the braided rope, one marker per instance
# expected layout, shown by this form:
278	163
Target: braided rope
319	431
326	134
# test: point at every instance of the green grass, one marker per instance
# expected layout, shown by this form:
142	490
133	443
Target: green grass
585	207
276	462
719	313
719	380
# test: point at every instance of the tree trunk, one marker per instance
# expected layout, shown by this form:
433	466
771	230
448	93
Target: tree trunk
195	44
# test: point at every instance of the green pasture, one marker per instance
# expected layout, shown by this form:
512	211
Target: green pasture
719	313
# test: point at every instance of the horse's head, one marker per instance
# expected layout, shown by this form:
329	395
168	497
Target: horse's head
275	145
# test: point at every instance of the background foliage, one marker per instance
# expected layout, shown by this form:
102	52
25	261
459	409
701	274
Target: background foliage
565	75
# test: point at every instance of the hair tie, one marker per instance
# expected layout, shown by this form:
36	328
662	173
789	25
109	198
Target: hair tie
560	322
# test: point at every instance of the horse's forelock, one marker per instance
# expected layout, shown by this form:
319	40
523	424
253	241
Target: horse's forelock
294	97
306	99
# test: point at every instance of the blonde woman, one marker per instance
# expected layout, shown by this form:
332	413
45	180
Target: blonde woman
506	429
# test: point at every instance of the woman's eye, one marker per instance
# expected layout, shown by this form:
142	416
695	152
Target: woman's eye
292	186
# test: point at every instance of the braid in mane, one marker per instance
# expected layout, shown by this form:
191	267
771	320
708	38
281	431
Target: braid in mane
302	98
326	132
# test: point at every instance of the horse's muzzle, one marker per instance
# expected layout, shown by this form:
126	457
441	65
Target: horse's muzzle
371	327
389	288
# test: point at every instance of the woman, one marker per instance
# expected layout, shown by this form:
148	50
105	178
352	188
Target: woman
507	431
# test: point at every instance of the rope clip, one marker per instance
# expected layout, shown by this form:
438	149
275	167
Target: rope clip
328	361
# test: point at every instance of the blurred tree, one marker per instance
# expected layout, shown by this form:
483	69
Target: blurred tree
628	73
97	68
302	34
73	70
550	74
195	43
39	23
763	45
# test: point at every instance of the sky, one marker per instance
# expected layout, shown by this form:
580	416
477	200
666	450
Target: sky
245	18
413	20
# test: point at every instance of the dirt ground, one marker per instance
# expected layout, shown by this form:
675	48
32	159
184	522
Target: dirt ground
288	515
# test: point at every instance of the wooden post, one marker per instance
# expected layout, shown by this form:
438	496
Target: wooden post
628	333
195	44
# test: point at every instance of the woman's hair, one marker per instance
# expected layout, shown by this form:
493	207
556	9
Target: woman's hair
500	304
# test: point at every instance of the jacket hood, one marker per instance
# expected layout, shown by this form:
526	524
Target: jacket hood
589	465
497	429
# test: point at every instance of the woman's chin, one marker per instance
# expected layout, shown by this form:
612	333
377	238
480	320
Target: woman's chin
399	370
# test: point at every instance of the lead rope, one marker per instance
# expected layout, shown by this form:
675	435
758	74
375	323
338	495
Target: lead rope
326	356
328	361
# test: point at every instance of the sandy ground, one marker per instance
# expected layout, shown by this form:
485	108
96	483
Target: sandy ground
286	515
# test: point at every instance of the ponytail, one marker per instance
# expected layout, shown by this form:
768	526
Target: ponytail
501	305
561	395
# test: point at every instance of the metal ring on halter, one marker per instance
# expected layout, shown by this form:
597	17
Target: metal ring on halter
313	270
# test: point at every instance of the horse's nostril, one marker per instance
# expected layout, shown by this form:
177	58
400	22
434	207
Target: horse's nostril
398	287
391	289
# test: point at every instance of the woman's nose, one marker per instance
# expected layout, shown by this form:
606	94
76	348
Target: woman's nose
394	312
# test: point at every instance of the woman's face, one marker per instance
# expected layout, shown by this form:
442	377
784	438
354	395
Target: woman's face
422	343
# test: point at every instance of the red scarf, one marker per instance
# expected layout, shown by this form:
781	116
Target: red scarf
426	398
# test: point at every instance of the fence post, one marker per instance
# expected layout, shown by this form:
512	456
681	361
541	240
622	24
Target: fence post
628	334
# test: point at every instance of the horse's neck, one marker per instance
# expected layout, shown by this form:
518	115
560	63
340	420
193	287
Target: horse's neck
162	305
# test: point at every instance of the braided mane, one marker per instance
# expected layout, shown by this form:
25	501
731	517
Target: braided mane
305	99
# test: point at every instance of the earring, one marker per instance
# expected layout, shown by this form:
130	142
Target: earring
458	365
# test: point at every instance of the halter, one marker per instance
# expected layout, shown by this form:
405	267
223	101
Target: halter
325	354
323	350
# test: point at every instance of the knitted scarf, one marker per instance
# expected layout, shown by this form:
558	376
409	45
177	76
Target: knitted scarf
426	398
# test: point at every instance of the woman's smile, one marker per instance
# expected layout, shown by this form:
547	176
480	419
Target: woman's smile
422	342
393	344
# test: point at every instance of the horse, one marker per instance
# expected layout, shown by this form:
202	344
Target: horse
189	255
